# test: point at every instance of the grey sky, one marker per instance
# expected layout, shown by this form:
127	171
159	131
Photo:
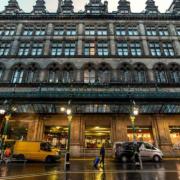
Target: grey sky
136	5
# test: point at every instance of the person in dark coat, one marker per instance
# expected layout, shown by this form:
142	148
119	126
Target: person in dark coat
102	154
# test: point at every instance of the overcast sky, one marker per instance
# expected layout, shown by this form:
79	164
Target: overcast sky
136	5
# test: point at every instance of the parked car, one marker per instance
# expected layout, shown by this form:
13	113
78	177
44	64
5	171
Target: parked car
40	151
124	151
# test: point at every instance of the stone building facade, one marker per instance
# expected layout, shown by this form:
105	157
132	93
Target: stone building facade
102	61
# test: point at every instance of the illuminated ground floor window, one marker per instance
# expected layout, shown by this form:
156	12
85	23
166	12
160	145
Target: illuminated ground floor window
57	136
142	133
96	136
17	130
175	136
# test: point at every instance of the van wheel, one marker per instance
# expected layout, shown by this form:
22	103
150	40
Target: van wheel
20	157
156	158
124	159
49	159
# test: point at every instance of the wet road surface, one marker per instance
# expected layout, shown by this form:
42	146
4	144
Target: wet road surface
83	170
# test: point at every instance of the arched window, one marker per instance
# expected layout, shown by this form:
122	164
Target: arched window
160	73
125	74
89	74
18	74
53	73
67	73
2	70
174	72
32	73
104	73
140	73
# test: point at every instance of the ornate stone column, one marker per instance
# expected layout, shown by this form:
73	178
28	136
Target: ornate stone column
112	39
163	135
75	136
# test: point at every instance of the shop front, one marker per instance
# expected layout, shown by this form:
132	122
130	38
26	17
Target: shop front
97	136
56	135
142	133
175	136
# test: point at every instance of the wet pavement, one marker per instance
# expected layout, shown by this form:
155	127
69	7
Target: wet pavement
83	170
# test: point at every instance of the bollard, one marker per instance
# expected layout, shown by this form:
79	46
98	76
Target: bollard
67	161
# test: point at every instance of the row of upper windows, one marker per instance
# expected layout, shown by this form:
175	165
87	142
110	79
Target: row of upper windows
101	48
104	74
71	30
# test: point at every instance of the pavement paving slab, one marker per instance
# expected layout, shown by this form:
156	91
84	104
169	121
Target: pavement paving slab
84	170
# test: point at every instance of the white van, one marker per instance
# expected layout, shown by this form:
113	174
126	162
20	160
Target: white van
124	151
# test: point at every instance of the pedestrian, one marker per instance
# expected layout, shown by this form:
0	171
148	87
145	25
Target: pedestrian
7	154
102	154
136	153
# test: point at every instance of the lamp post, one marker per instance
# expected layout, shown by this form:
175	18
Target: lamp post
68	112
134	113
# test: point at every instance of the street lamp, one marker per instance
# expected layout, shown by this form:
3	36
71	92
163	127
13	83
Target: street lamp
134	113
68	112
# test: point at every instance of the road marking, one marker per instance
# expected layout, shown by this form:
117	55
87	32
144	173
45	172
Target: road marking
86	172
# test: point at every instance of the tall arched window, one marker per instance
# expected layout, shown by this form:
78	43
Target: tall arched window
160	73
174	72
18	73
53	73
104	73
89	74
32	73
125	73
2	70
140	73
68	73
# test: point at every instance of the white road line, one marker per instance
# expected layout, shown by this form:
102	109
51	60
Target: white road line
86	172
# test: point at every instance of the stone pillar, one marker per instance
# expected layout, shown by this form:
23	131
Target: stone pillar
144	40
50	29
48	42
19	29
75	136
42	76
80	37
177	46
163	134
151	75
142	29
6	77
40	129
120	128
172	30
112	39
47	47
145	47
32	130
14	48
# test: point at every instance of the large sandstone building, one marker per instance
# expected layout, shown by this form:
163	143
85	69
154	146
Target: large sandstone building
101	61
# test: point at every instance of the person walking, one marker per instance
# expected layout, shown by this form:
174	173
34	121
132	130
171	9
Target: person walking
102	154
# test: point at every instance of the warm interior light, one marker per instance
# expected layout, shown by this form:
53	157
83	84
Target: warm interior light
2	111
68	111
135	111
62	109
58	127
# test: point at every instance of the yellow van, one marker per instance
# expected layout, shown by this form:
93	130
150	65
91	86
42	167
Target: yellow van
39	151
